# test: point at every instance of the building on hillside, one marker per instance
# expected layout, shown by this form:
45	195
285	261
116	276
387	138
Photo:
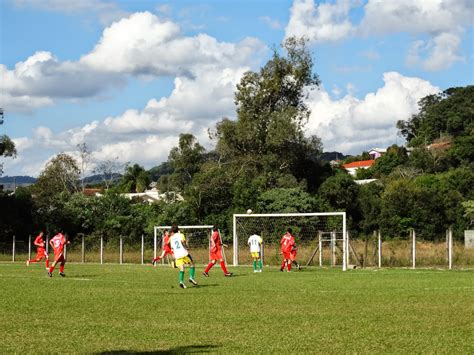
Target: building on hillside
154	195
356	165
92	192
376	153
364	181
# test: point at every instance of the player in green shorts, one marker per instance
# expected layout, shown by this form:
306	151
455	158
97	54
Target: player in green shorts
178	245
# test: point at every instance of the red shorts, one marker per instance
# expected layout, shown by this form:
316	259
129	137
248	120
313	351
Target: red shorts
293	255
216	255
59	257
287	255
167	251
41	253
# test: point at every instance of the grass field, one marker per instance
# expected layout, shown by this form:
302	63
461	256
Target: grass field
134	308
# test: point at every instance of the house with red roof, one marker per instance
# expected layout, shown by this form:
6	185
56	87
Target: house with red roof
356	165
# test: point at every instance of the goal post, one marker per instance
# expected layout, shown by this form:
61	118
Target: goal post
306	228
197	237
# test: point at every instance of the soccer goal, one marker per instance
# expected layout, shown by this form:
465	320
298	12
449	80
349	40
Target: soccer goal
197	238
307	229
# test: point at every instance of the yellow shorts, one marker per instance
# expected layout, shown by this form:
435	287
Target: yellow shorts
184	260
255	254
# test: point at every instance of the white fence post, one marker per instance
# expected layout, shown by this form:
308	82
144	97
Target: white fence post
154	245
83	249
121	250
235	242
450	248
47	243
29	247
320	245
101	250
413	249
380	248
13	249
333	248
143	249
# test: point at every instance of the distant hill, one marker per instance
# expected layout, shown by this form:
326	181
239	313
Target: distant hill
19	180
162	169
98	179
328	156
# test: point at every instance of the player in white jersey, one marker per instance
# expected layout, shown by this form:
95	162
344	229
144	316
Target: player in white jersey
178	245
255	242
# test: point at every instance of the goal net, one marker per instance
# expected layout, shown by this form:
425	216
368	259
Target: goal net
197	238
313	232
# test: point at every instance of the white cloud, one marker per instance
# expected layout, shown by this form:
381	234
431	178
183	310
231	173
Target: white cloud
443	21
320	23
273	24
142	136
106	11
351	125
141	45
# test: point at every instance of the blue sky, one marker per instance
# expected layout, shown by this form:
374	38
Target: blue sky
127	77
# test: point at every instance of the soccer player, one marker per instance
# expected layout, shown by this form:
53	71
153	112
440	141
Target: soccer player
57	243
216	253
287	243
255	242
40	251
166	248
293	257
180	251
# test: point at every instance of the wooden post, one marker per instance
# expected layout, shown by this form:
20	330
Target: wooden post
121	250
29	247
101	250
379	248
413	248
13	249
83	249
143	249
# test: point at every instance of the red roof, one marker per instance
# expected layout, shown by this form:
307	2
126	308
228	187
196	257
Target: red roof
359	164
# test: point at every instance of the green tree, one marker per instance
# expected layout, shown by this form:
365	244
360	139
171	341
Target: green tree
135	179
185	160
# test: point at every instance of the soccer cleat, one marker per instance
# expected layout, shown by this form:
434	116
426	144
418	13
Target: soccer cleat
281	270
255	271
205	274
62	274
153	262
27	263
182	285
50	274
260	270
228	274
193	282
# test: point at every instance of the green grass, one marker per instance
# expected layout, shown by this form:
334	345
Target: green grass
135	308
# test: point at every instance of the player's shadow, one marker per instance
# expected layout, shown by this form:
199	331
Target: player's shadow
206	285
188	349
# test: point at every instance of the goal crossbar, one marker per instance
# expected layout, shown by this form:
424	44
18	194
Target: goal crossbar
308	214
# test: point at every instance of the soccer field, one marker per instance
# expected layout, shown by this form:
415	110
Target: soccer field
139	308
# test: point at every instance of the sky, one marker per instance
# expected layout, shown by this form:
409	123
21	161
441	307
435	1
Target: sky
127	77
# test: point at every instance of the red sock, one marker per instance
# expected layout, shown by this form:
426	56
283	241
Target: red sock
47	263
223	267
51	269
289	266
208	267
61	268
282	265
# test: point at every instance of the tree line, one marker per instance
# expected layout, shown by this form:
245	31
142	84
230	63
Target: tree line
264	161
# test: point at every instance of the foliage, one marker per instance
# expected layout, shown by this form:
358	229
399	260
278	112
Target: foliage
135	179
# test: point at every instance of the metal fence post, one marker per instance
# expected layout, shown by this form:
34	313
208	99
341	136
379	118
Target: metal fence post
320	247
121	250
101	250
83	250
450	248
13	249
413	255
29	247
143	249
380	248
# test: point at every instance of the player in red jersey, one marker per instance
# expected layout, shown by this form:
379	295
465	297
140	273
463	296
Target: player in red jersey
216	253
166	247
40	251
287	244
57	243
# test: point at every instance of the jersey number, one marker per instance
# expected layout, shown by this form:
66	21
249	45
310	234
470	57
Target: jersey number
177	244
